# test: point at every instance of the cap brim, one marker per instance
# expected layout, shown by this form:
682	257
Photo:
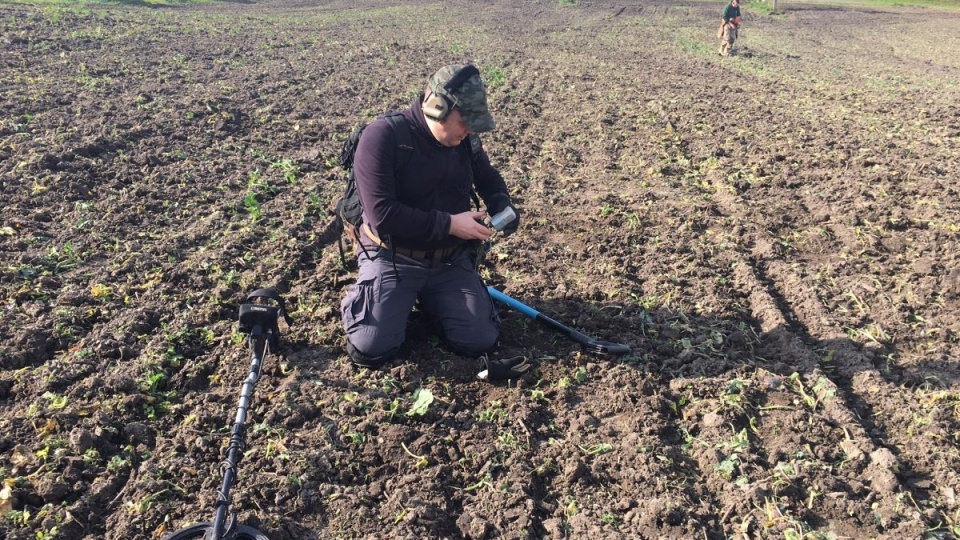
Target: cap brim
478	120
471	99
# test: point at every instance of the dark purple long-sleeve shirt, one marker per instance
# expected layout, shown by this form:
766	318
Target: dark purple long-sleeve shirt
413	207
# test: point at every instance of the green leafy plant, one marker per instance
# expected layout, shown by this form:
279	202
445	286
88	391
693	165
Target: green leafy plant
422	398
206	335
252	205
597	449
421	461
255	180
152	381
494	77
539	395
51	447
47	534
56	401
728	466
101	291
737	445
91	456
609	518
492	413
315	205
508	440
115	463
19	518
289	169
64	258
487	481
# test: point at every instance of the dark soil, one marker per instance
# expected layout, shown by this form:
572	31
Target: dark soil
774	234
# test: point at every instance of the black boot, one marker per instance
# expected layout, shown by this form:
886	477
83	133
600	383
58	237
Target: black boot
370	362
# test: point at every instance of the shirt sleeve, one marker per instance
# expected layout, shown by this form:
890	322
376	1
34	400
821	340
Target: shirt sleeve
487	179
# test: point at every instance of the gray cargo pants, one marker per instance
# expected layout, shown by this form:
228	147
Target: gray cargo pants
376	308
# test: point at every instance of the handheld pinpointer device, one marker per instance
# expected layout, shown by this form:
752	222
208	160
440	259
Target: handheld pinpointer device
503	218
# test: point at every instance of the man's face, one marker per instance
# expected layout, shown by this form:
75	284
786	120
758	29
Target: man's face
452	131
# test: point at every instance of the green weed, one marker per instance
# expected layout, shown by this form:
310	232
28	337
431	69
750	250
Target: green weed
486	481
494	77
63	258
57	402
252	205
422	398
611	519
493	413
289	169
597	449
421	461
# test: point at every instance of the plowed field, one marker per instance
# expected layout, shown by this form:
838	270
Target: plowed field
774	234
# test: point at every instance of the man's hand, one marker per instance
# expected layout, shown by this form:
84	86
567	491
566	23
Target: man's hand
466	226
498	203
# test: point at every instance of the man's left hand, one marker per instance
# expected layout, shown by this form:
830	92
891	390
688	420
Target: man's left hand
500	202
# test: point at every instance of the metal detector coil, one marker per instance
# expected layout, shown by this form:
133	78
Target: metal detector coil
258	317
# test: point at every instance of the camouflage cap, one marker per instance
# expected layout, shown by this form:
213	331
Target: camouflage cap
470	97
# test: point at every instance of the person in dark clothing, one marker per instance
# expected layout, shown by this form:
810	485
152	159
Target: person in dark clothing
729	26
418	223
731	12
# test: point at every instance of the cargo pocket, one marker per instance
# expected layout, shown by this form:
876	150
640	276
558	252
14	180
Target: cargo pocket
358	305
494	316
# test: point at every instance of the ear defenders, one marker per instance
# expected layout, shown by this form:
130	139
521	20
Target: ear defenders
438	106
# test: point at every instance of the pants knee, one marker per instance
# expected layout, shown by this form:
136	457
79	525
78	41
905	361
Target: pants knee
477	345
370	361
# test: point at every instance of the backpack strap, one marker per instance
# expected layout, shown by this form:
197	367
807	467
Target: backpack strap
475	148
404	151
404	144
401	132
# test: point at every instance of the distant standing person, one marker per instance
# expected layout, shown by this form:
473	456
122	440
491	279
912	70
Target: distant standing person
729	27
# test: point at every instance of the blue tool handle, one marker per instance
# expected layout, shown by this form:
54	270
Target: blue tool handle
519	306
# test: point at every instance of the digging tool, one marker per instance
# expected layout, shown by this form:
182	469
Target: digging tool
591	345
258	319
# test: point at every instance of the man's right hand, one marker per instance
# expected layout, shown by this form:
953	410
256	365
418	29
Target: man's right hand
466	226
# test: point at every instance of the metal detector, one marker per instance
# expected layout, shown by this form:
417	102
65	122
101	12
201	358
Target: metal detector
258	320
591	345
